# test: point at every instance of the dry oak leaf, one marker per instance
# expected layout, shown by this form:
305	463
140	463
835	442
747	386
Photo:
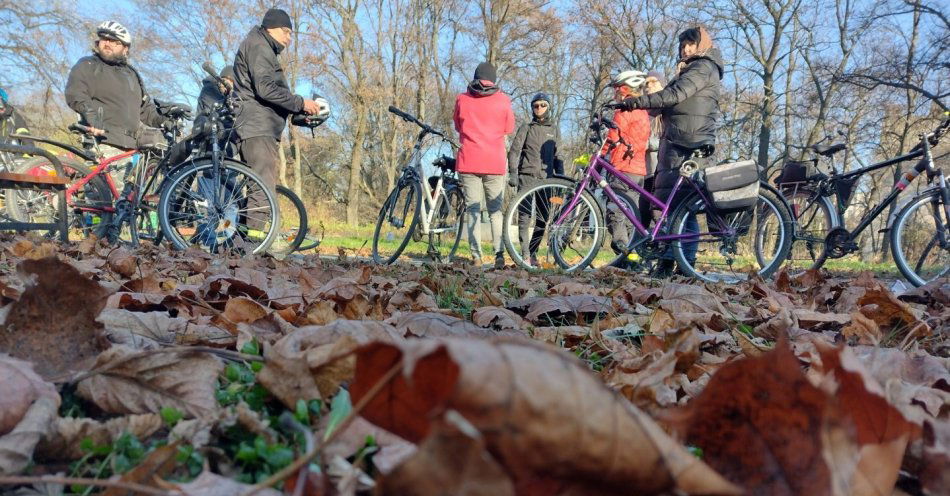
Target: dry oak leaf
20	386
312	362
127	381
497	318
451	460
764	426
17	446
211	484
435	325
53	324
576	304
62	443
546	420
882	432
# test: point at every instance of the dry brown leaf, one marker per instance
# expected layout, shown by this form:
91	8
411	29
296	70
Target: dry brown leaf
138	329
810	318
497	318
546	420
435	325
863	329
322	312
935	473
127	381
392	448
568	288
66	434
576	304
211	484
452	460
888	312
53	324
20	386
411	296
242	310
305	364
158	464
16	446
123	262
566	335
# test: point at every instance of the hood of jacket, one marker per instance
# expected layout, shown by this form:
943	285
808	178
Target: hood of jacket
477	89
713	55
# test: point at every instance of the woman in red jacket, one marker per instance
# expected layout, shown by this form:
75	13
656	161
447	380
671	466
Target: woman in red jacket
483	117
629	158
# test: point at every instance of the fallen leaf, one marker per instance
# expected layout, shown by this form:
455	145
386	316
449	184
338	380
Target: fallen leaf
935	473
211	484
158	464
864	330
127	381
20	386
16	446
53	324
545	419
123	262
810	318
497	318
888	312
576	304
435	325
62	443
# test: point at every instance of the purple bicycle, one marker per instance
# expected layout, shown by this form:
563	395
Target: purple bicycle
727	224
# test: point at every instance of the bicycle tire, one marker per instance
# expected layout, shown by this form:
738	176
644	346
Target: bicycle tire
229	222
899	239
410	205
293	228
808	240
572	231
456	204
695	204
96	190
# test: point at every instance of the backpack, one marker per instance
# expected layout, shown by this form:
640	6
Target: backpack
733	186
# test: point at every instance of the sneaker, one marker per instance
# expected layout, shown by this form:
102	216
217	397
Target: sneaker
500	260
664	269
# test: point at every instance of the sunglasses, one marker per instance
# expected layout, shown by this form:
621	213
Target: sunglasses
539	105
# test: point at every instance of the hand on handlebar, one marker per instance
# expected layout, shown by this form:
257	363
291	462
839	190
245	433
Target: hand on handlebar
96	131
311	107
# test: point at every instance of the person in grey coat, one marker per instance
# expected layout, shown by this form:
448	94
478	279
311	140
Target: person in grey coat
534	156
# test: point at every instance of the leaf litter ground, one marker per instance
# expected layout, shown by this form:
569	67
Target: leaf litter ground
160	372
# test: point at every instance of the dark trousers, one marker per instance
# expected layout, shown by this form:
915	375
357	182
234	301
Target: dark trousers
537	209
667	172
260	153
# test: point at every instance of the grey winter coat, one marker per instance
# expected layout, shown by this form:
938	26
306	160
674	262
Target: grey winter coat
534	152
264	98
117	90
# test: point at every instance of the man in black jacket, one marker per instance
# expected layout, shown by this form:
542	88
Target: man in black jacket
264	98
534	156
689	107
107	92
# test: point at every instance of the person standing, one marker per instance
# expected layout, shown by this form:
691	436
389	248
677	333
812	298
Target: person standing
264	99
629	140
689	107
655	82
534	156
483	117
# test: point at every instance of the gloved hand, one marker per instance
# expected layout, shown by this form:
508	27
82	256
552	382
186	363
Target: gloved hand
513	180
629	103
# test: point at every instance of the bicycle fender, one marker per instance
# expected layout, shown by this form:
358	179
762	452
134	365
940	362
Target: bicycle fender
903	203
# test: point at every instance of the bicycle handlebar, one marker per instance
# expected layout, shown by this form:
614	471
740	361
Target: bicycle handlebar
79	128
425	127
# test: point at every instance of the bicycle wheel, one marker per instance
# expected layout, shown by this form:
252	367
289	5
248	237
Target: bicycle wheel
293	222
920	238
396	222
814	216
219	211
445	233
761	241
42	206
575	242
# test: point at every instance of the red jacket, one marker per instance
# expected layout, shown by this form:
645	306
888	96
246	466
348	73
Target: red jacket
634	127
482	119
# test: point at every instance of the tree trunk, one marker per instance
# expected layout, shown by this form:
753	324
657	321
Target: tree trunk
768	109
281	164
356	163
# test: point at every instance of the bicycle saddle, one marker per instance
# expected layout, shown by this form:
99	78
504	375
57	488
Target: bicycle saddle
829	150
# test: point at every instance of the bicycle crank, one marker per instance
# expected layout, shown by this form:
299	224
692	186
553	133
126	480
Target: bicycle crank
839	243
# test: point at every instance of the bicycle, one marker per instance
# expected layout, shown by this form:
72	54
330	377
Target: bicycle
436	202
576	232
98	207
821	234
214	202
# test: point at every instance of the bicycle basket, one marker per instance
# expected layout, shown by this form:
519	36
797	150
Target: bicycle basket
733	186
845	188
796	171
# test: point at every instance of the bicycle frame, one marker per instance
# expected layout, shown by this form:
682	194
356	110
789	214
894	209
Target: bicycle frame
592	173
430	196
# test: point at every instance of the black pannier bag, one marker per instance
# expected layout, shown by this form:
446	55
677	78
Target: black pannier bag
733	186
844	189
796	171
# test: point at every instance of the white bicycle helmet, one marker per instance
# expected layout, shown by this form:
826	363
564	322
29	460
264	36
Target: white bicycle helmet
324	107
114	31
633	79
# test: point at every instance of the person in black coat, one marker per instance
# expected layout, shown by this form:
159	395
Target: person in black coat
534	156
689	108
264	98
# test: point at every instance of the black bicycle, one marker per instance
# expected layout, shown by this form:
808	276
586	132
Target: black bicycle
919	232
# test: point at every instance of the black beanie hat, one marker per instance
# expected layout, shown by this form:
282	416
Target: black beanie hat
541	97
227	72
485	72
276	18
